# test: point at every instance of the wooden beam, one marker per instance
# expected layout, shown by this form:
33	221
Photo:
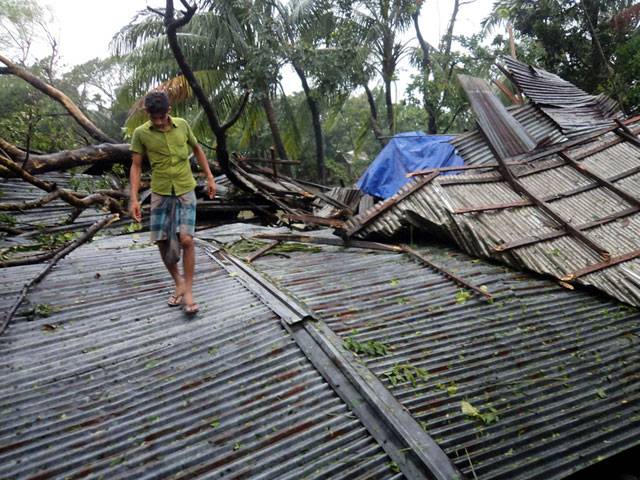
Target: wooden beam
463	283
523	242
518	187
337	242
313	220
600	180
549	198
262	251
596	267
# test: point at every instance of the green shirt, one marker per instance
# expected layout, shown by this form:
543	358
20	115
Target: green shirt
168	153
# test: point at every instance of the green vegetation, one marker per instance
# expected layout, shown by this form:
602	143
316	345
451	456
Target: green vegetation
462	296
372	348
52	241
247	246
487	417
406	372
348	66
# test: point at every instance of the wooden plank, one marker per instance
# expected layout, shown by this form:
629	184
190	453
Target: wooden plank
310	219
506	136
549	198
338	242
626	133
600	180
571	229
484	166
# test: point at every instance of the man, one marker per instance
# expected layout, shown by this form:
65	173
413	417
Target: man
166	141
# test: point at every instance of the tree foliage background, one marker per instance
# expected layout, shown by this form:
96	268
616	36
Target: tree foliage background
346	55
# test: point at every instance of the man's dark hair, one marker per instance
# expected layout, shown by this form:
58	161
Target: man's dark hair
156	103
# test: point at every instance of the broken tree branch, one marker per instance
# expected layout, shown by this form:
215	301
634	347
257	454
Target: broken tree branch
91	231
236	116
27	205
60	97
66	195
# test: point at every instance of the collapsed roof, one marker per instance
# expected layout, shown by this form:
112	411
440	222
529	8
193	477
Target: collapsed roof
552	202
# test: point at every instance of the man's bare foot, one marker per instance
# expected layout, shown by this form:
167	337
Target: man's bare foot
180	287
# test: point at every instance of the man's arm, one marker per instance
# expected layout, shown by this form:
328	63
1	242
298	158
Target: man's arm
134	181
204	166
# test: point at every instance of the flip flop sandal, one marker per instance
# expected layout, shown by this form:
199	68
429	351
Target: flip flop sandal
191	309
174	300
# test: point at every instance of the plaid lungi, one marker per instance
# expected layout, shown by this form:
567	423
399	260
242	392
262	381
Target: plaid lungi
177	213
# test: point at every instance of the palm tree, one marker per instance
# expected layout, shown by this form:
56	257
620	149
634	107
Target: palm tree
385	21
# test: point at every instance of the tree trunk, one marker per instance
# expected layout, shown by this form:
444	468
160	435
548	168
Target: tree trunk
273	126
391	124
375	126
445	45
601	66
425	63
388	70
314	108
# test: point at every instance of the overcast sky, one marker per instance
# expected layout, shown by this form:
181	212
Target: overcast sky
85	27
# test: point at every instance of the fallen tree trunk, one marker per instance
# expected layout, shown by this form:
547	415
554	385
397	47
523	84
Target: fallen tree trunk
102	155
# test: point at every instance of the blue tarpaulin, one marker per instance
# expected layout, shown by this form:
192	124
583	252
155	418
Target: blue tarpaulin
405	153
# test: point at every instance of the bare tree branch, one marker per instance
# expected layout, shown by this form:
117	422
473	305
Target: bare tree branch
375	126
27	205
156	11
66	195
88	234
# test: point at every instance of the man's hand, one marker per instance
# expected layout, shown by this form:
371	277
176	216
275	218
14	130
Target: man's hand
211	186
135	210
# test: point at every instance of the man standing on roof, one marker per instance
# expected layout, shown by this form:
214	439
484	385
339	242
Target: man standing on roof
166	141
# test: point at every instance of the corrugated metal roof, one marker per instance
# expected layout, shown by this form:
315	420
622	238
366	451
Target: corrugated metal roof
115	384
474	149
487	216
573	109
40	226
560	368
55	213
507	136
